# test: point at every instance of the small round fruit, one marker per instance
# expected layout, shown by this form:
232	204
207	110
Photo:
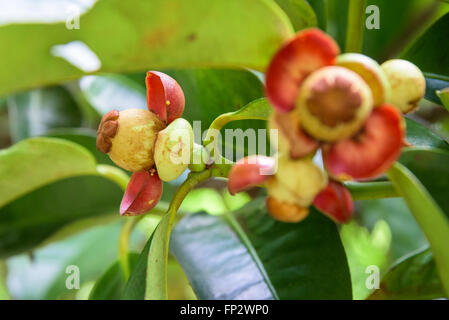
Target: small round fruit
173	149
333	103
370	153
302	177
407	83
290	137
286	212
371	72
199	159
131	144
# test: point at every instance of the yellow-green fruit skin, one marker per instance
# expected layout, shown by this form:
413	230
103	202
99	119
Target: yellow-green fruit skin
173	149
133	145
407	83
297	181
341	130
371	72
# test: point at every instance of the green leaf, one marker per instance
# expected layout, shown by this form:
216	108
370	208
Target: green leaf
444	96
109	92
431	51
43	275
320	8
84	137
111	284
429	215
420	136
36	162
35	112
413	277
300	13
136	285
435	83
152	34
406	234
210	93
57	210
248	255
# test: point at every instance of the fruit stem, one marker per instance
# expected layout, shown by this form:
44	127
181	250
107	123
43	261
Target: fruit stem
123	245
371	190
356	26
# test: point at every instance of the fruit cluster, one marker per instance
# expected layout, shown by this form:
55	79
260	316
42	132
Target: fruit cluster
347	107
155	144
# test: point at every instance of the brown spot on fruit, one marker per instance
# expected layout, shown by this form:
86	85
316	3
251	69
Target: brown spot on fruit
106	131
334	103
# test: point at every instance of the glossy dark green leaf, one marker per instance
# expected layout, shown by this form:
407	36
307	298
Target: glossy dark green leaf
431	51
111	284
210	93
420	136
248	255
136	285
414	277
300	13
138	35
433	84
31	219
35	112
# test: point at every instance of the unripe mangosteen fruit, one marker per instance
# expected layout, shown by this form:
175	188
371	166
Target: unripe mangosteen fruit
371	72
333	103
173	149
407	82
302	177
128	137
